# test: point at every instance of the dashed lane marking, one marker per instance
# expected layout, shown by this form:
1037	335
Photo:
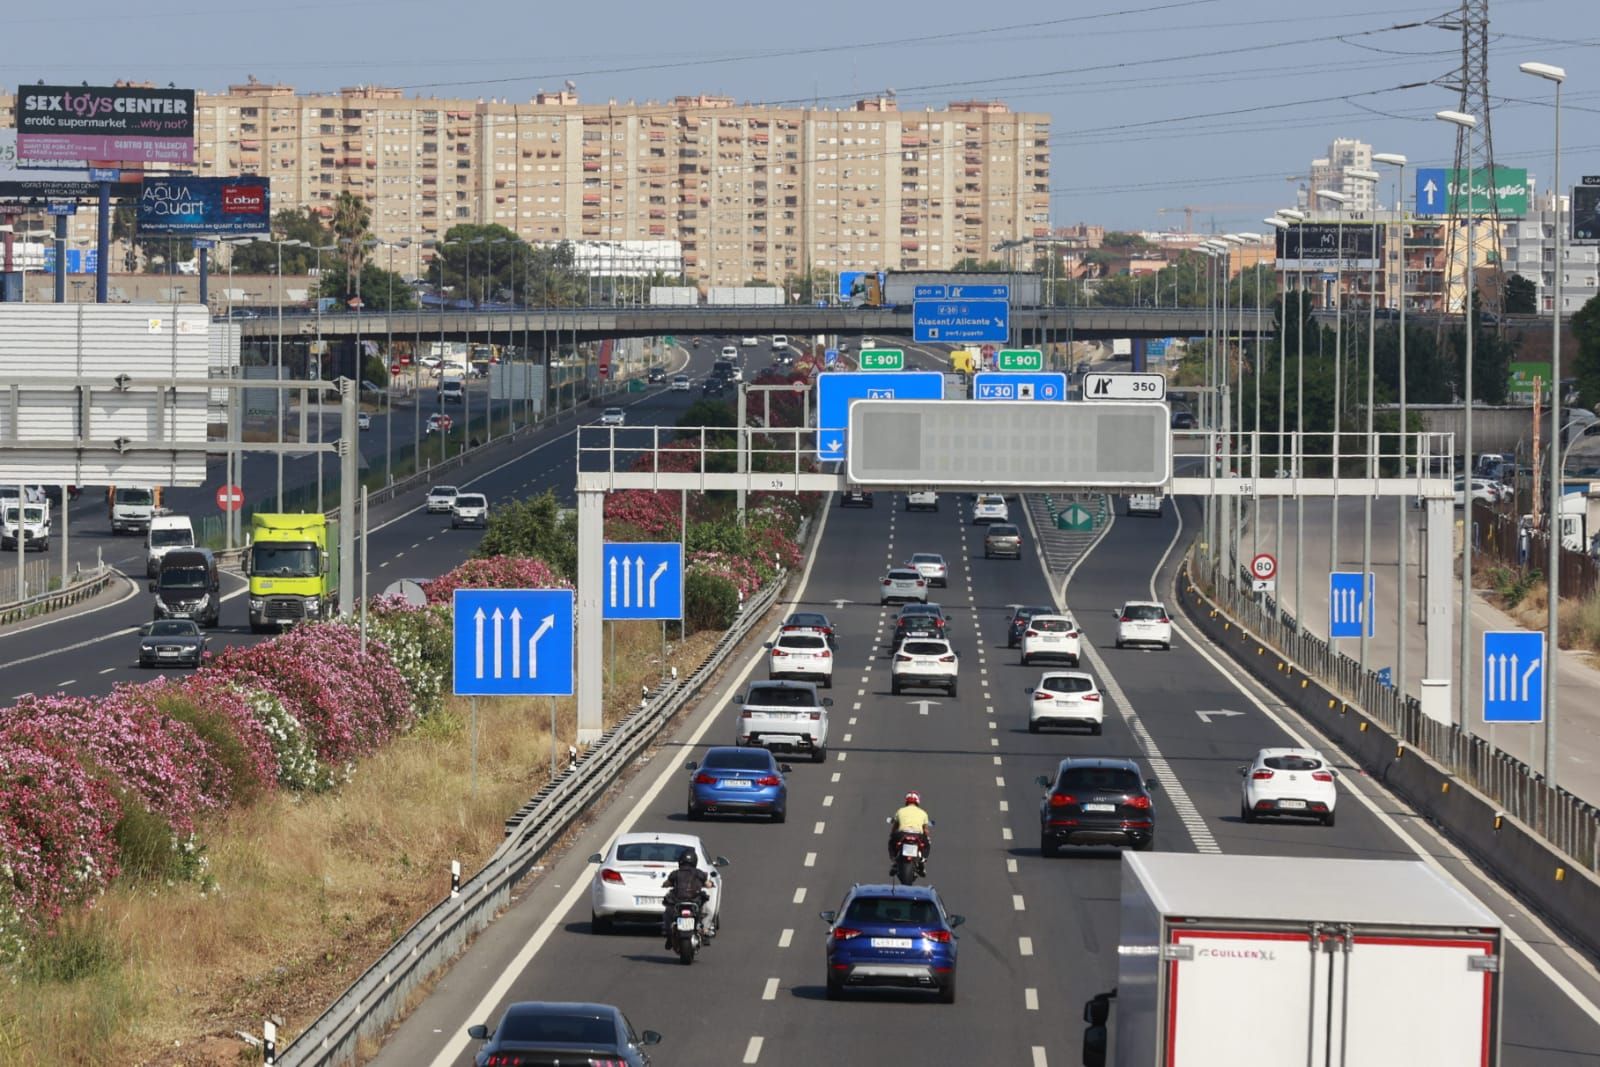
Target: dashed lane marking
827	801
108	670
1011	865
999	781
1005	833
752	1051
819	828
996	761
811	859
1030	999
835	776
785	938
1005	805
1024	945
842	756
800	895
1017	902
1039	1059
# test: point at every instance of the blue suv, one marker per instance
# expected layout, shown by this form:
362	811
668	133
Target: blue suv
892	936
729	779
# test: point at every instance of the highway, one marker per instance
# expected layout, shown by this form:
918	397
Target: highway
1041	934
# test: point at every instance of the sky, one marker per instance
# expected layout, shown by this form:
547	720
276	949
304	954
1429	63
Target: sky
1155	104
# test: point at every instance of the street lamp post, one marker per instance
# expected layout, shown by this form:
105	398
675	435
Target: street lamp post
1371	178
1299	219
1464	698
1279	226
1553	580
388	355
1339	200
1236	441
278	406
1393	159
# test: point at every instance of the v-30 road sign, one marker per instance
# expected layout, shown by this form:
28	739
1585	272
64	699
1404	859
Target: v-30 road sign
643	580
1513	676
994	385
513	642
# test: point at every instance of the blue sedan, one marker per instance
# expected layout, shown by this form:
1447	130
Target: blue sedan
892	936
738	780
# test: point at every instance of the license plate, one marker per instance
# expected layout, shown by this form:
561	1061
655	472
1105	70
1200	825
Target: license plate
647	900
171	652
686	923
1099	807
908	850
735	783
891	942
1295	804
1051	639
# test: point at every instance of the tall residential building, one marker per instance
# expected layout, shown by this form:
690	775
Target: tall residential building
749	192
1344	154
1529	247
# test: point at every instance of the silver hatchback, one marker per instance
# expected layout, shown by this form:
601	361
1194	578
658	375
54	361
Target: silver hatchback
903	583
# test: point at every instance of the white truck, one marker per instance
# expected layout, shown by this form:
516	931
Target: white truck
1228	960
787	716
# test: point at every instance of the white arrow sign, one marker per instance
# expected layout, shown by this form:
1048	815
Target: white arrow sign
627	582
533	644
1103	385
1501	679
1430	188
1216	713
516	643
477	618
922	706
661	568
498	618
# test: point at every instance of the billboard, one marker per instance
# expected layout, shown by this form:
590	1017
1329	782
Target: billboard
1586	211
178	206
1441	191
66	181
1315	246
81	123
1519	387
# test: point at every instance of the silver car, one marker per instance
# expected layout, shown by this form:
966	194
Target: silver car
441	498
903	583
931	566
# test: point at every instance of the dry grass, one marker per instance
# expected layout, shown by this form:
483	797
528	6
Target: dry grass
307	891
1580	619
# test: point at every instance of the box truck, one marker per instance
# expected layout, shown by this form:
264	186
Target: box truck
1228	960
293	575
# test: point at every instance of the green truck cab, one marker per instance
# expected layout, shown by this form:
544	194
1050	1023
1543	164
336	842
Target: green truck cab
293	575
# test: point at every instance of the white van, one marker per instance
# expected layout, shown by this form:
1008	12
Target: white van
166	533
451	391
1145	504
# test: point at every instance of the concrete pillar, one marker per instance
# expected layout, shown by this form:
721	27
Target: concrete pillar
1439	575
591	588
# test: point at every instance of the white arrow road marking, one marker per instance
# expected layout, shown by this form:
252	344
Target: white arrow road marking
922	706
839	604
478	619
516	642
638	581
661	568
1207	716
533	644
498	618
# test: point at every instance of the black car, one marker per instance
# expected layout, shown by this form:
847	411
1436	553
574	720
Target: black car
808	621
656	375
920	620
550	1032
855	498
1019	621
714	387
1096	802
1183	420
179	642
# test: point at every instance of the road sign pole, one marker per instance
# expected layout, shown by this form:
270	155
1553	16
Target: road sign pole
744	460
591	594
473	773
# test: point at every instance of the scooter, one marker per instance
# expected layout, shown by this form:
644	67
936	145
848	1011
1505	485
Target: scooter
685	932
910	857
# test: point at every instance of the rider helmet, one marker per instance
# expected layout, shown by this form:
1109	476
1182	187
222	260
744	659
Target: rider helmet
913	798
687	858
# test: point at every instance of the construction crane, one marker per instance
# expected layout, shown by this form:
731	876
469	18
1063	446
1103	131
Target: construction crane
1189	210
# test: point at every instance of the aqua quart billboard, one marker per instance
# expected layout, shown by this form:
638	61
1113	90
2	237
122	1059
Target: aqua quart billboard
194	206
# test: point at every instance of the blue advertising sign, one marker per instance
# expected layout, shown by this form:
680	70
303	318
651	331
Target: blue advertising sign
847	278
61	209
513	642
1010	385
178	206
1347	608
961	320
104	174
836	390
643	580
1513	676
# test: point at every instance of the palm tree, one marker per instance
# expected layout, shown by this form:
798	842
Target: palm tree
351	219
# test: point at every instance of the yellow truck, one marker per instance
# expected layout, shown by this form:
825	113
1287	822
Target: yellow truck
294	577
964	361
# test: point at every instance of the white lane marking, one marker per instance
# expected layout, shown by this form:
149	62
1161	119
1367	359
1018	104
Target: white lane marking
1005	805
1039	1059
836	776
811	859
994	725
108	670
1030	999
994	741
841	757
861	692
752	1051
819	828
847	738
1011	865
1017	903
1005	833
1024	946
999	781
785	938
68	682
996	761
800	895
827	801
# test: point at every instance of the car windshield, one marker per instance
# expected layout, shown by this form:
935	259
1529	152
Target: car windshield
1144	612
182	578
650	851
1293	762
801	641
284	561
1024	614
892	911
926	557
135	496
470	500
1067	683
167	538
613	411
775	696
442	490
1050	626
738	760
173	628
538	1029
925	648
1101	779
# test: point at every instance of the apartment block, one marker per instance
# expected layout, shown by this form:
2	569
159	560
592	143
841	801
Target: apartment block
749	192
1332	173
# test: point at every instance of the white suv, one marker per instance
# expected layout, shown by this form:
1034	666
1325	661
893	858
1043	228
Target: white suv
991	507
922	499
924	663
1066	698
1050	636
1144	622
784	715
804	657
1287	781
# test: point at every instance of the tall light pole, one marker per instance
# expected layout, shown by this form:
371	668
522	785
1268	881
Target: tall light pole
388	355
1392	159
1207	397
1339	200
1299	219
1553	589
1369	177
1464	698
278	406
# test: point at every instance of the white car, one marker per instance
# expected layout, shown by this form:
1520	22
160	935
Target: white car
430	361
803	657
1144	622
729	352
931	566
779	341
681	384
1287	781
922	500
363	421
441	498
469	509
630	885
902	583
1050	636
1066	698
924	663
613	417
869	342
1482	489
991	507
749	342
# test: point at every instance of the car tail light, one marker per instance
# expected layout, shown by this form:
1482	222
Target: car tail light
939	623
1090	696
947	659
778	653
941	936
1031	633
790	629
745	714
1261	776
886	581
1125	619
815	715
1062	800
607	1062
769	779
901	657
1072	633
1139	803
1165	621
705	779
844	933
1321	776
608	875
825	654
1043	694
921	583
504	1059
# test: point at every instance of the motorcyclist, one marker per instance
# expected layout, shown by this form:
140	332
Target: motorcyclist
913	819
687	884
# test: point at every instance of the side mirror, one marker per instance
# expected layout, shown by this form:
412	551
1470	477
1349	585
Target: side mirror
785	768
1042	780
738	698
768	644
827	702
649	1037
1151	784
152	587
690	765
1332	771
720	861
144	631
1243	771
1096	1038
827	916
478	1032
1029	690
597	858
957	920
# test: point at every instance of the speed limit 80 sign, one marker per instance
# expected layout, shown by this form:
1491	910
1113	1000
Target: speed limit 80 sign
1264	567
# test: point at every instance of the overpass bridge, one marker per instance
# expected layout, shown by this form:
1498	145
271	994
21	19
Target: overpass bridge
1030	326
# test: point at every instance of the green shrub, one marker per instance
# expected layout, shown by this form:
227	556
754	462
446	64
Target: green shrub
538	527
710	602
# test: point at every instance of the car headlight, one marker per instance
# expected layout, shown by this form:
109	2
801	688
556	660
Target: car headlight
257	603
314	607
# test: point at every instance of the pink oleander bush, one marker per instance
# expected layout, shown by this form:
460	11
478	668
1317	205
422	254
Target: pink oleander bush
740	572
495	572
651	514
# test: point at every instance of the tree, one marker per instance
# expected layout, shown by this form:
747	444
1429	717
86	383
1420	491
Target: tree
535	527
1520	296
160	253
298	224
378	288
352	220
1586	365
817	285
494	261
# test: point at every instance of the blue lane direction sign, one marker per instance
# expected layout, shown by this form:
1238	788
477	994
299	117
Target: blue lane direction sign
1346	606
513	642
1433	191
1513	676
1009	385
961	320
830	357
979	292
836	390
643	580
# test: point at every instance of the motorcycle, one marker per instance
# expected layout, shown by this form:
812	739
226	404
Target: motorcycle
910	857
685	931
697	342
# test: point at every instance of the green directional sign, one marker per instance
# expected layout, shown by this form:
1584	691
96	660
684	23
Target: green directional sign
882	359
1021	359
1075	517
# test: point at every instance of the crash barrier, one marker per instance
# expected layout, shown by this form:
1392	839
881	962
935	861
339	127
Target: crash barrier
1543	843
84	584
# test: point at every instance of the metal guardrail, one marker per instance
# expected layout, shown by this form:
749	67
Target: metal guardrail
85	585
1566	821
379	995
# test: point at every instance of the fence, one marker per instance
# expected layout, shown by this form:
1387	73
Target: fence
84	584
1501	537
1567	822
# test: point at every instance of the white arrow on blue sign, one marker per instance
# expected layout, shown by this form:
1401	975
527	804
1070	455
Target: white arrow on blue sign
1513	676
1347	609
830	356
835	391
513	642
643	580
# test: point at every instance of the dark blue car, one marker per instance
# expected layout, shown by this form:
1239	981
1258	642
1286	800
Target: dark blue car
731	780
892	936
534	1032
